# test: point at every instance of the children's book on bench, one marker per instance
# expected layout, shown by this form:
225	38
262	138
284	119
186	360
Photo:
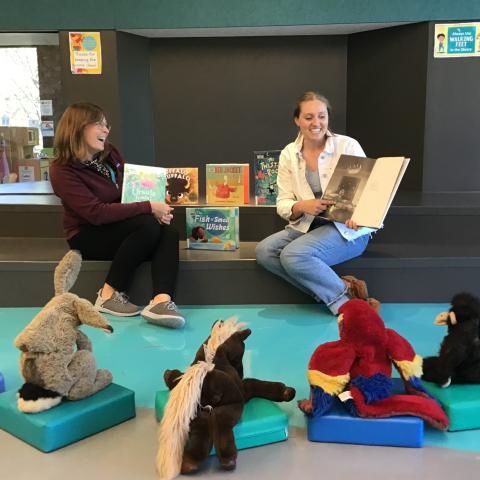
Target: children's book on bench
266	170
363	189
212	228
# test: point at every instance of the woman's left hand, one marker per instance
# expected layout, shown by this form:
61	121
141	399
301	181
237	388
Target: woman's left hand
351	224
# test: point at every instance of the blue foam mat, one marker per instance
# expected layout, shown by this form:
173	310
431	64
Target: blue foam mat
68	422
338	426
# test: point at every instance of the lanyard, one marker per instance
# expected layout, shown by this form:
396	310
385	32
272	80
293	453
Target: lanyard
112	174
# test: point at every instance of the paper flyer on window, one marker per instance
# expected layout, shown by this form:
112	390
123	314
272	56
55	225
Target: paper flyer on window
85	53
457	40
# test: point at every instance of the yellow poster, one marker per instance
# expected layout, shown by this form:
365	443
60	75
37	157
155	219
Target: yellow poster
457	40
85	53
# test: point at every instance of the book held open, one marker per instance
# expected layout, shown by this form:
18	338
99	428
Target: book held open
363	189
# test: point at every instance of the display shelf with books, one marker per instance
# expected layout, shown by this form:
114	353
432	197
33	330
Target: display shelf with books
212	228
266	170
227	183
363	189
142	182
182	186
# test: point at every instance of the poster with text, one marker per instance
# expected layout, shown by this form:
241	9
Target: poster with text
85	53
456	40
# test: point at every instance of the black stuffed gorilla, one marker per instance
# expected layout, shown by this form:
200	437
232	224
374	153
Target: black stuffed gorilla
458	360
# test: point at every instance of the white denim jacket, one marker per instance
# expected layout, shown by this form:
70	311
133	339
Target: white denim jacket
293	185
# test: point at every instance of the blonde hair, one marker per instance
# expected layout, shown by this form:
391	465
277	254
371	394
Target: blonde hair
69	144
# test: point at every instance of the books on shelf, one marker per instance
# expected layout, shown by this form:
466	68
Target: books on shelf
212	228
182	186
227	183
143	182
266	169
363	189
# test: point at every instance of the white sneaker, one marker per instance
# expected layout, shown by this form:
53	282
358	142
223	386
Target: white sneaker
118	304
165	314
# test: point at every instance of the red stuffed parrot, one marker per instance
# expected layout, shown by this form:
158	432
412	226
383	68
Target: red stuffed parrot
358	367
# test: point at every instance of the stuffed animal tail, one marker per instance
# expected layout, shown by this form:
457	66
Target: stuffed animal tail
395	405
34	399
180	410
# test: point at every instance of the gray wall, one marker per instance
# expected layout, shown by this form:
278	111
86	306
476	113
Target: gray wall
216	100
135	99
387	72
452	124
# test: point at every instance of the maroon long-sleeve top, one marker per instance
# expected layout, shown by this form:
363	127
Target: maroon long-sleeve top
91	198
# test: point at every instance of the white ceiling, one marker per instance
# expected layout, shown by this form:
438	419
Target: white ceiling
337	29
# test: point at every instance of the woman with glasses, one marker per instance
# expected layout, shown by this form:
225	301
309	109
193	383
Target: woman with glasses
87	175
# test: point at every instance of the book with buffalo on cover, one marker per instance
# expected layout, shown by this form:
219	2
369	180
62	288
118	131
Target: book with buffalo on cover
143	182
227	183
182	186
212	228
266	170
363	189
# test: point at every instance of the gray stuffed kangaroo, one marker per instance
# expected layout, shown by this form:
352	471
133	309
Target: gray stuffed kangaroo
56	359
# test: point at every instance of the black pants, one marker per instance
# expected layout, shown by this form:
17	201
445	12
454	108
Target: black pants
127	244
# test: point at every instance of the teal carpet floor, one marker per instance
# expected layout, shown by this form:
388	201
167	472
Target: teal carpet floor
283	338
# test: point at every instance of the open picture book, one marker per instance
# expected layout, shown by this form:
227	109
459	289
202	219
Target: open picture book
363	189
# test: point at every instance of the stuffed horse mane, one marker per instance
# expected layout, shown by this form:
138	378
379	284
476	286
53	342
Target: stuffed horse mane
184	401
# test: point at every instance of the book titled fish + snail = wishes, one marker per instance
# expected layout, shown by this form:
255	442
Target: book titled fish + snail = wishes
143	182
212	228
363	189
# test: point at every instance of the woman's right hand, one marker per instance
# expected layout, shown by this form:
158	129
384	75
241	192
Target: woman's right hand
314	206
162	212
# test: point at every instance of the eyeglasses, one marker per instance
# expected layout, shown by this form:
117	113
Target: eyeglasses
103	125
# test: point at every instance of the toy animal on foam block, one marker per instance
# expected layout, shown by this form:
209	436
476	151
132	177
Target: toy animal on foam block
358	369
56	359
458	360
207	401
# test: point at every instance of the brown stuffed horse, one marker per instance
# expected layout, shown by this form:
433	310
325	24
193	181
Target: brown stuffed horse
207	401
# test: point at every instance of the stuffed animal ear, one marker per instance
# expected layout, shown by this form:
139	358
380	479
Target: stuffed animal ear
244	334
67	271
441	319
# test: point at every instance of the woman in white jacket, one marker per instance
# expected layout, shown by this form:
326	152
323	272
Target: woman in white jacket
303	253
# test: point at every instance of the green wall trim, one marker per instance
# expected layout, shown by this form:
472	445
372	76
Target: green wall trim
52	15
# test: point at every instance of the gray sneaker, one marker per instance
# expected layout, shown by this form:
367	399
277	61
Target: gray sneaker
165	314
118	304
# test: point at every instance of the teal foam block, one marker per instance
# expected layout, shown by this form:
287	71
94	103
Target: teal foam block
68	422
338	426
262	421
2	383
461	404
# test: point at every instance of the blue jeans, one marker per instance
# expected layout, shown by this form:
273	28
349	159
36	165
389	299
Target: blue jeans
304	260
